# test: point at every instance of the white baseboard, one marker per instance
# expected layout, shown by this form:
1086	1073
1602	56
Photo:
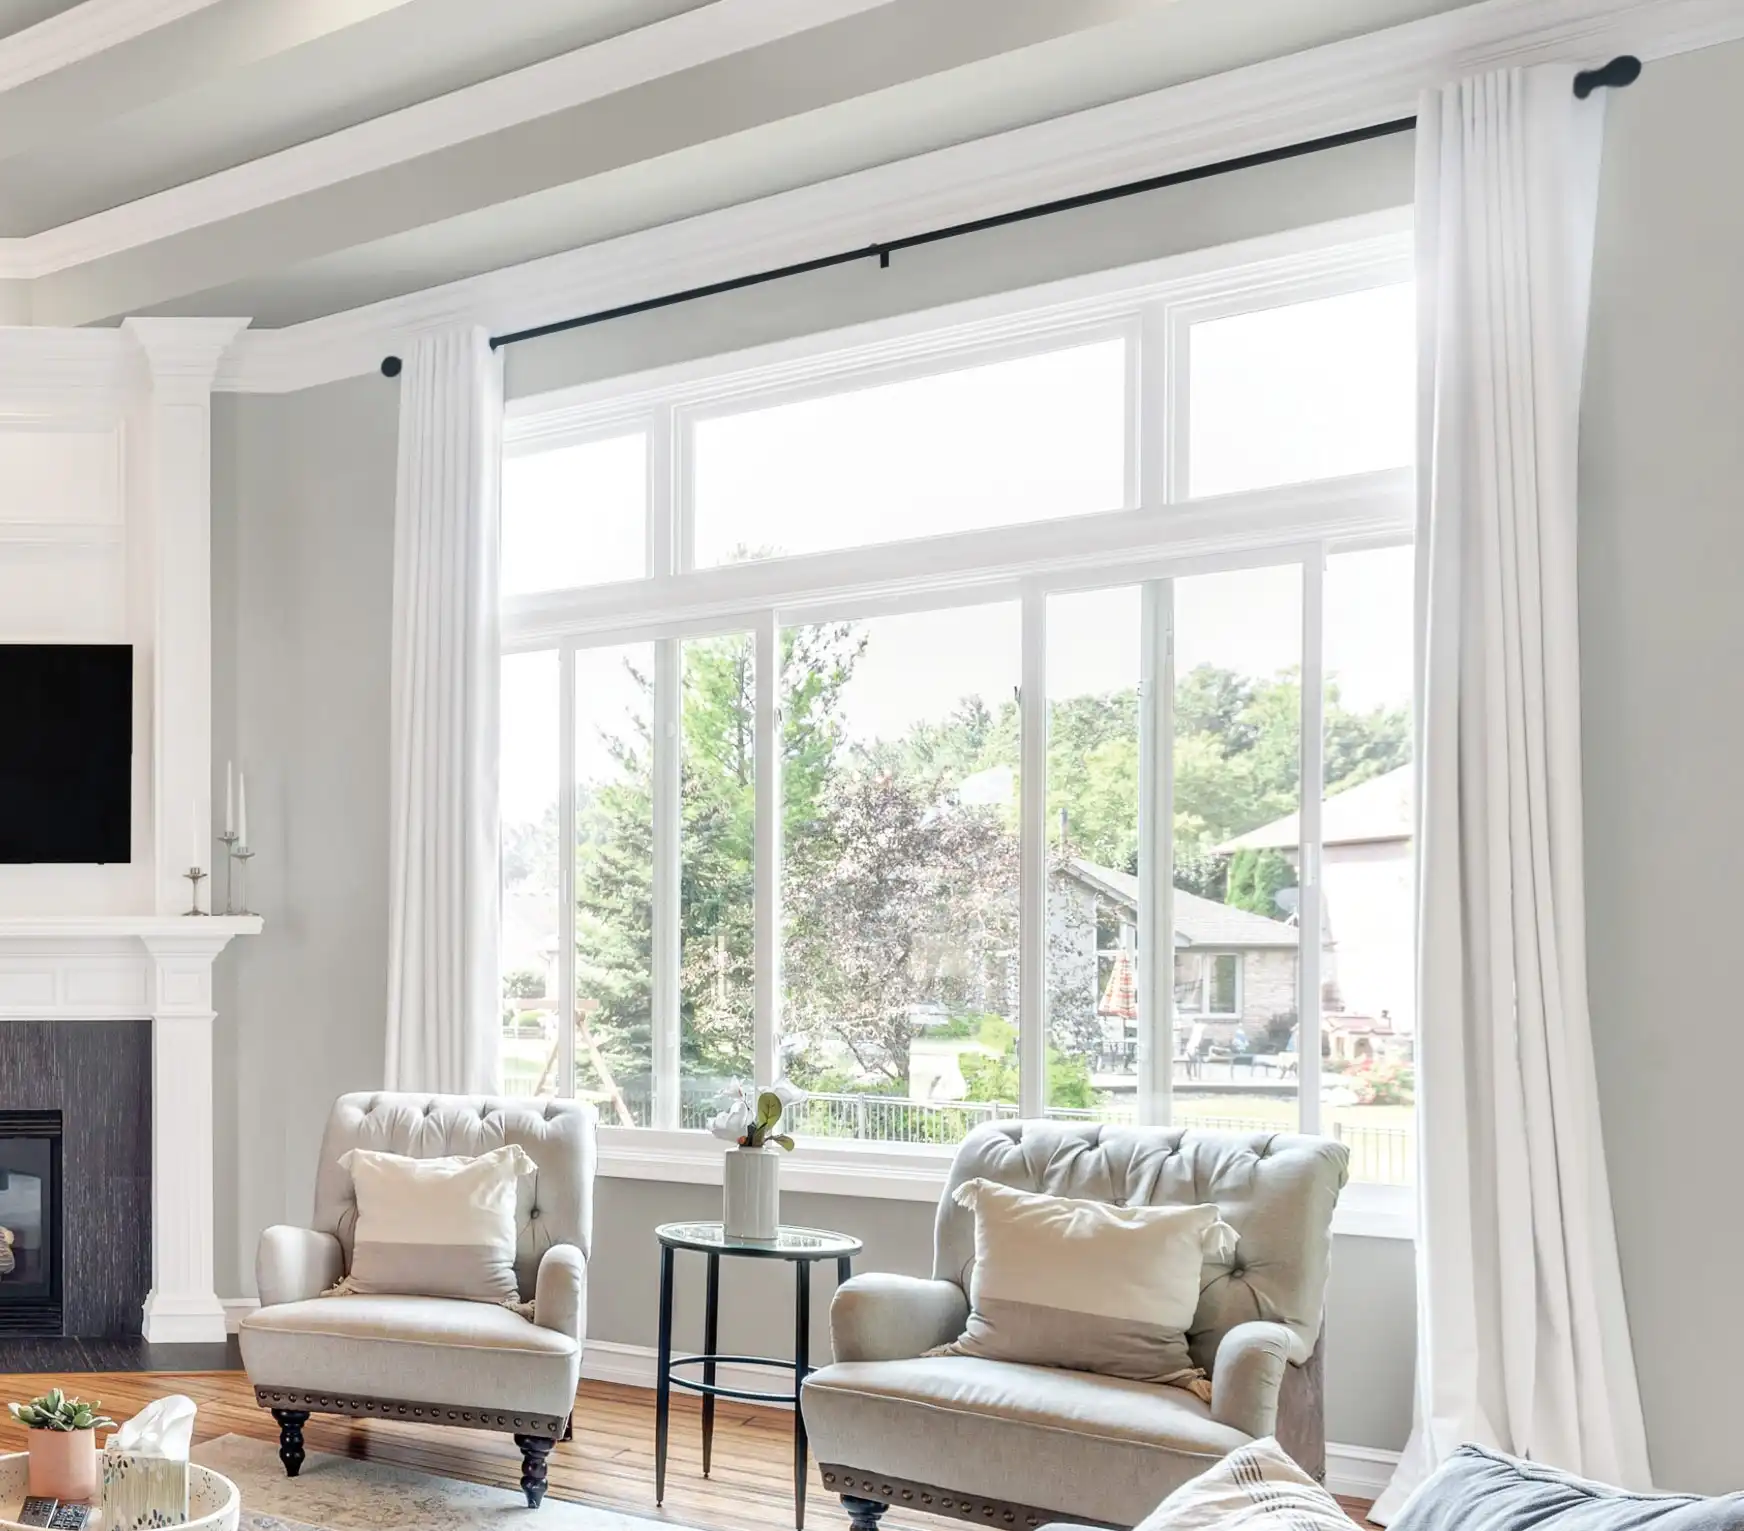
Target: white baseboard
1357	1472
234	1310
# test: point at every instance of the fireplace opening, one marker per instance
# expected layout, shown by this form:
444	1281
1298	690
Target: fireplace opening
30	1222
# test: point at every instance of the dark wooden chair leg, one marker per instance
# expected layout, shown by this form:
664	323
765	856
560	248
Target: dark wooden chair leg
534	1450
291	1422
863	1513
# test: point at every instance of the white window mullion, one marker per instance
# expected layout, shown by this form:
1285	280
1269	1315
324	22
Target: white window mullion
566	841
1308	903
1156	856
668	747
1032	922
767	913
666	496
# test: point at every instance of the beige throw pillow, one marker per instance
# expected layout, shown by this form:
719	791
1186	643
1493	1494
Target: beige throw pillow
1084	1285
435	1227
1258	1487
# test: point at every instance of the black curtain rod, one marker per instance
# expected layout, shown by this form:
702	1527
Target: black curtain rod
1619	72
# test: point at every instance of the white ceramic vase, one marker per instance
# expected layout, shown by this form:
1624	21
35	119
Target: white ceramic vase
752	1193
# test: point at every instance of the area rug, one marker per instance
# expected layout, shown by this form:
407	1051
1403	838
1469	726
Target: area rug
335	1493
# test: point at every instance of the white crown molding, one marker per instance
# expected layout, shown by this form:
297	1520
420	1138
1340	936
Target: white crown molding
1323	91
681	42
184	352
83	32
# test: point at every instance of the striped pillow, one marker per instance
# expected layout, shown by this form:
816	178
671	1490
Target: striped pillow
1085	1285
435	1227
1255	1488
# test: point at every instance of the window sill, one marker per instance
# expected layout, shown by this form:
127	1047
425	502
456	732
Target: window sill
903	1172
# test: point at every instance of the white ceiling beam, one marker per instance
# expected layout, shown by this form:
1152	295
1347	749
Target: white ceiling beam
1323	91
60	41
667	47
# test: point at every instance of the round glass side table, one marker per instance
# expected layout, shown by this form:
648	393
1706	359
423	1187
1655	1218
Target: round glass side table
800	1247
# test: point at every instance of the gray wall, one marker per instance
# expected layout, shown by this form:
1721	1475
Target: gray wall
302	567
303	505
1662	541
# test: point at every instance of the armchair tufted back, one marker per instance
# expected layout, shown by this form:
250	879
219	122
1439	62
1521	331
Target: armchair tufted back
1277	1190
554	1206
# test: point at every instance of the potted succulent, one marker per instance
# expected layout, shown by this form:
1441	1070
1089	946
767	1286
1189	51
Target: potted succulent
63	1444
748	1119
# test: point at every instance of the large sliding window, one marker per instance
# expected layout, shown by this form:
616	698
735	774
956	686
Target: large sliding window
1007	719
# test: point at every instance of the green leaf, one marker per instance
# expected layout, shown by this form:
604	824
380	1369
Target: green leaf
782	1140
768	1110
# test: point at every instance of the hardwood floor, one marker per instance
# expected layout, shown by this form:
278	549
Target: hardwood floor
610	1462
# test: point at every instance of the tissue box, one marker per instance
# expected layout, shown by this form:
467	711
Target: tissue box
142	1490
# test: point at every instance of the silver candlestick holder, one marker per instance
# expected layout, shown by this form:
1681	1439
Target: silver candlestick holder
243	854
230	840
195	877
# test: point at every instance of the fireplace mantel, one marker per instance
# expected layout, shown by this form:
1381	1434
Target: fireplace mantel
158	968
185	929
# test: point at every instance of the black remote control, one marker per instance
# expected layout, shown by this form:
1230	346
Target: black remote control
38	1510
69	1516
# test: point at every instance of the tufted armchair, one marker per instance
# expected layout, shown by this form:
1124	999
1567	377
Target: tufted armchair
1025	1445
433	1359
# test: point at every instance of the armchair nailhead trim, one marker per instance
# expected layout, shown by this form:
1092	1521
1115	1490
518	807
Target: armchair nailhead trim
392	1408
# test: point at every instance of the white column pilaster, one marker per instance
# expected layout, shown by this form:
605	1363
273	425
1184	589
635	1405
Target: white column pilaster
182	1306
181	357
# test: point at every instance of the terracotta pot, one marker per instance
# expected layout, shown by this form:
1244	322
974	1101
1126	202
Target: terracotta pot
63	1463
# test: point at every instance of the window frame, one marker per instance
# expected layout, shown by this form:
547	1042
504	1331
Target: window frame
1158	536
1204	985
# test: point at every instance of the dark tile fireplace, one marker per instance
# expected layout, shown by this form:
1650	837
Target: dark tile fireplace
75	1181
30	1222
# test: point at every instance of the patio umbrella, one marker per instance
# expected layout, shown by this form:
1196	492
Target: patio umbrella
1120	998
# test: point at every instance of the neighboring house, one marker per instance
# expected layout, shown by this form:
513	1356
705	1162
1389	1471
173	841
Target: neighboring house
1365	833
1232	968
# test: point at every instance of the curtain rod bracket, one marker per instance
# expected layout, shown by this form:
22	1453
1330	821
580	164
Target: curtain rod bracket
1623	70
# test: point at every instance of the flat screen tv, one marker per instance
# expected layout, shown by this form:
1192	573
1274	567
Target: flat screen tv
66	752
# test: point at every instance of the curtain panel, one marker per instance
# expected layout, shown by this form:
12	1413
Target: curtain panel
1523	1341
443	893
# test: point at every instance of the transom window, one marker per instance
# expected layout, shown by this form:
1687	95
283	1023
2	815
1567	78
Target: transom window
875	707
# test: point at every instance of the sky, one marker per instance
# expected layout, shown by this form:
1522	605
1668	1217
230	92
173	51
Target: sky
1282	395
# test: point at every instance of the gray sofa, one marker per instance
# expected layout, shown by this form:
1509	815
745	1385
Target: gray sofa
1025	1445
432	1359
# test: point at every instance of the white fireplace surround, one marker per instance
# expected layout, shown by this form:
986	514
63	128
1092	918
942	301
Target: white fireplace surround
125	967
105	443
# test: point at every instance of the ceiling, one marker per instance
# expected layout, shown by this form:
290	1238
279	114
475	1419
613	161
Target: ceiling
289	159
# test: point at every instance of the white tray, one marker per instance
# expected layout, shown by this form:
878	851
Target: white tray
213	1502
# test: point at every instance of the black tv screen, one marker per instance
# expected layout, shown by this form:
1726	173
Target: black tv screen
66	752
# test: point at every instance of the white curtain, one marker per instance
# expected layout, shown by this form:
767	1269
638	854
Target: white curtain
443	897
1523	1340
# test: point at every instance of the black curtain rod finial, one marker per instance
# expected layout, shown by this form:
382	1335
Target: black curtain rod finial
1623	70
390	366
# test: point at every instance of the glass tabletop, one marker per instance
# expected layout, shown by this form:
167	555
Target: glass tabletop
788	1244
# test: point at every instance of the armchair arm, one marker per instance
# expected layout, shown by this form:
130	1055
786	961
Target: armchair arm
560	1293
881	1317
1249	1372
295	1264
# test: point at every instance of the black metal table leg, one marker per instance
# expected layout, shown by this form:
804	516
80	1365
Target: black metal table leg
710	1335
801	1365
844	1269
663	1376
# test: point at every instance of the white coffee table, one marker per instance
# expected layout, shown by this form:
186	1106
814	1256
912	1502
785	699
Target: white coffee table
213	1502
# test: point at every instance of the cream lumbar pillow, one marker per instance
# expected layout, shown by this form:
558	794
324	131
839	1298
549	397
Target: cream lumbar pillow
435	1227
1087	1286
1257	1487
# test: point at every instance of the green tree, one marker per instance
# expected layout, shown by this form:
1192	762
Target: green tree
992	1076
